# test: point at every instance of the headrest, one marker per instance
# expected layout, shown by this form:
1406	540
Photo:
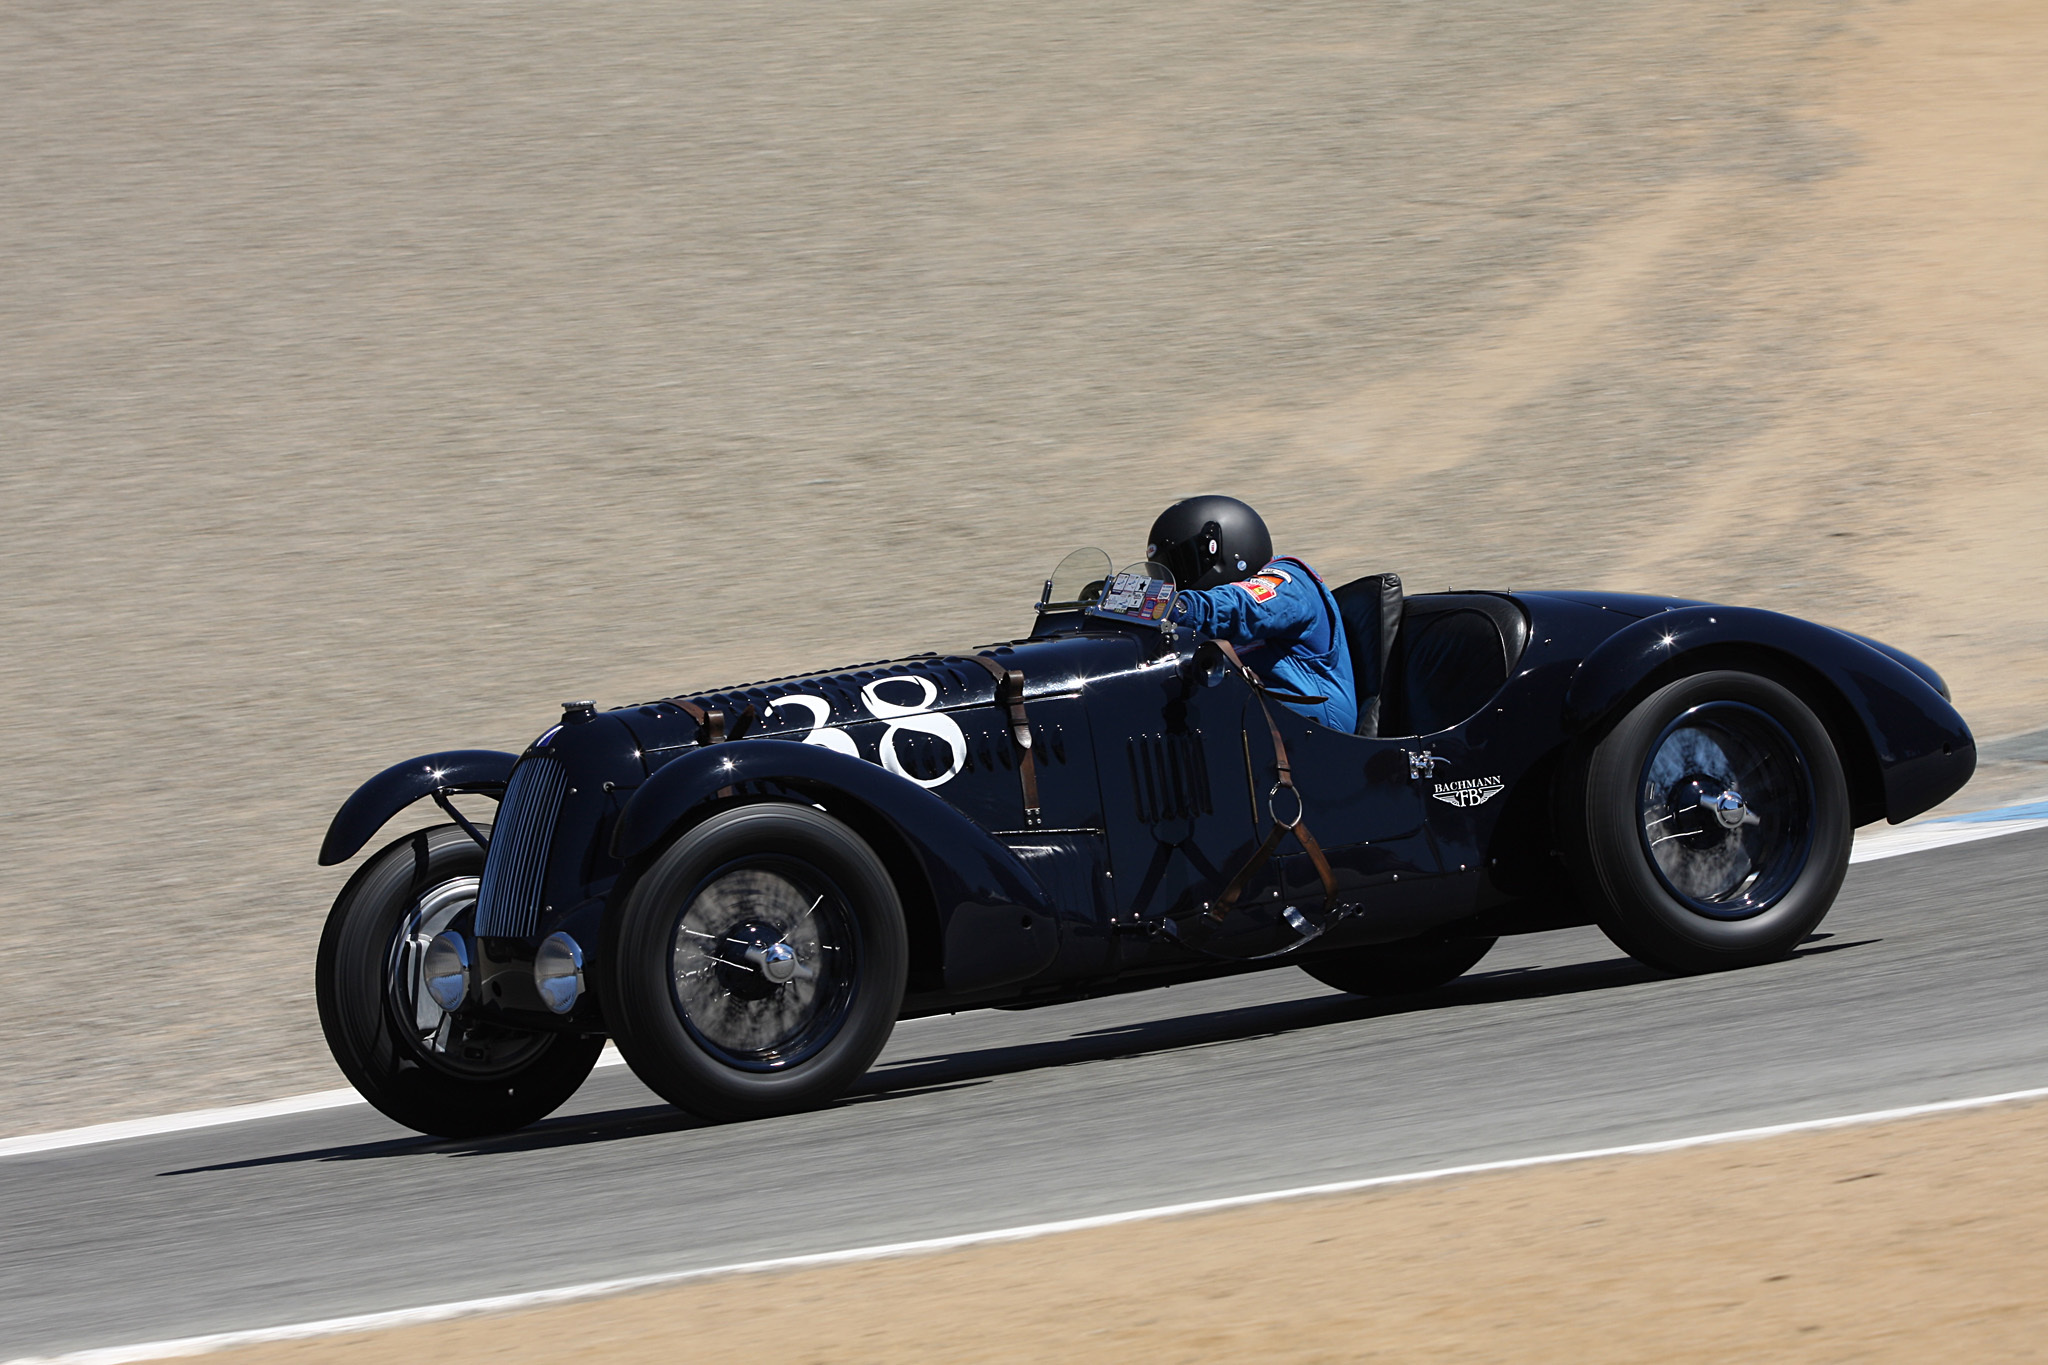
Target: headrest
1371	608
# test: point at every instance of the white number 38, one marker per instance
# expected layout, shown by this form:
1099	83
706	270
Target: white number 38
917	717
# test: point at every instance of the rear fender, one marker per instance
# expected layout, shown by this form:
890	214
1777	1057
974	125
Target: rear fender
995	925
401	784
1897	729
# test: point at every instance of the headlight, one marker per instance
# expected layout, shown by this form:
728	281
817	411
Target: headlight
446	968
558	972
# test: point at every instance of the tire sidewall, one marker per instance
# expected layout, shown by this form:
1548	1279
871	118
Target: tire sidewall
1640	913
640	1004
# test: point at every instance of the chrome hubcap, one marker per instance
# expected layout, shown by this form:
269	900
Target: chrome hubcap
1730	810
777	962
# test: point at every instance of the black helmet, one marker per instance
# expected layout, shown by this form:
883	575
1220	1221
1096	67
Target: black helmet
1209	541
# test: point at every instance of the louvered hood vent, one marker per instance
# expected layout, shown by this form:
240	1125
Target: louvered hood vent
1169	776
508	903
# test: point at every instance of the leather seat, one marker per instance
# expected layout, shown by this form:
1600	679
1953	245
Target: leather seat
1371	608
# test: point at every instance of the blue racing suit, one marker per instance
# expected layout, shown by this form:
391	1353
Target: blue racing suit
1286	626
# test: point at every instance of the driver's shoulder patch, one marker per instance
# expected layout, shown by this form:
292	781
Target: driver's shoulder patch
1262	587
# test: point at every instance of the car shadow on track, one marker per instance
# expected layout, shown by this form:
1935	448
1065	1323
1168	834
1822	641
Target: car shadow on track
1119	1042
973	1067
575	1130
1123	1041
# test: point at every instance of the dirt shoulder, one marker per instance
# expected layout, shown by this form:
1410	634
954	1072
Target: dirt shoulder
1904	1242
370	382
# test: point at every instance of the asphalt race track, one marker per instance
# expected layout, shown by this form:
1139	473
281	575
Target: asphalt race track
1926	984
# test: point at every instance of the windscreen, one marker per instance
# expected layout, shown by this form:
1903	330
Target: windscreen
1077	582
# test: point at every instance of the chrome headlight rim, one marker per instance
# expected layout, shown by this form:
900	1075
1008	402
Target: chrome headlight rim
558	972
446	970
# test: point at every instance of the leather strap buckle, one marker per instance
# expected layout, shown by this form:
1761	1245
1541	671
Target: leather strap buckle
1272	809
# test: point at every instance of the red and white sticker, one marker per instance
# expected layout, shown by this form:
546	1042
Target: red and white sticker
1263	587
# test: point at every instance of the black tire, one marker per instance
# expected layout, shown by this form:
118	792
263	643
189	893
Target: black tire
446	1080
1716	824
711	1032
1407	968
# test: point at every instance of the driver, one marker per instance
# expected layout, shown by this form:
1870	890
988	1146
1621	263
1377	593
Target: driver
1279	615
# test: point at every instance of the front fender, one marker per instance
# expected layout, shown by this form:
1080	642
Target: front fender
401	784
1921	746
996	923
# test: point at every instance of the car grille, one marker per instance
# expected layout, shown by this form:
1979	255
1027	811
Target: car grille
508	902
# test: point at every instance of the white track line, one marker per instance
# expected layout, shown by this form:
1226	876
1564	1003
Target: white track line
1870	845
440	1312
203	1118
176	1123
235	1113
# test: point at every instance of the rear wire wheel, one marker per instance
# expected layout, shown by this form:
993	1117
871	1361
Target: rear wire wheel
428	1069
1716	824
757	967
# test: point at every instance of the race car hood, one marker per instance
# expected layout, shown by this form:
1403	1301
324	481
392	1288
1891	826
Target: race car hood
815	708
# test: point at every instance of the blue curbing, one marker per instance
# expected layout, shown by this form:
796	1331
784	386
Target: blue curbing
2032	810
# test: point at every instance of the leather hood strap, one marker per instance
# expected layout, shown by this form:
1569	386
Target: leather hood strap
712	722
1010	696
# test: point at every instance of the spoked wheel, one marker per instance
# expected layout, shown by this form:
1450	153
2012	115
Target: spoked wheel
1717	824
1398	968
414	1061
758	964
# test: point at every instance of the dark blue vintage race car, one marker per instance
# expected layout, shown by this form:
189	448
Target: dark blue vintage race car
746	888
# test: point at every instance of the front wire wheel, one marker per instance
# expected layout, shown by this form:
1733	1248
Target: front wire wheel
1716	824
762	962
429	1070
758	965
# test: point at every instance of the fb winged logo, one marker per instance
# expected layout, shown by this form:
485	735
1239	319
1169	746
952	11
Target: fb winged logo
1469	791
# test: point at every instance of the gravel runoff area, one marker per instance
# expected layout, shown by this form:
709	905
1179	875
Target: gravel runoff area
370	379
